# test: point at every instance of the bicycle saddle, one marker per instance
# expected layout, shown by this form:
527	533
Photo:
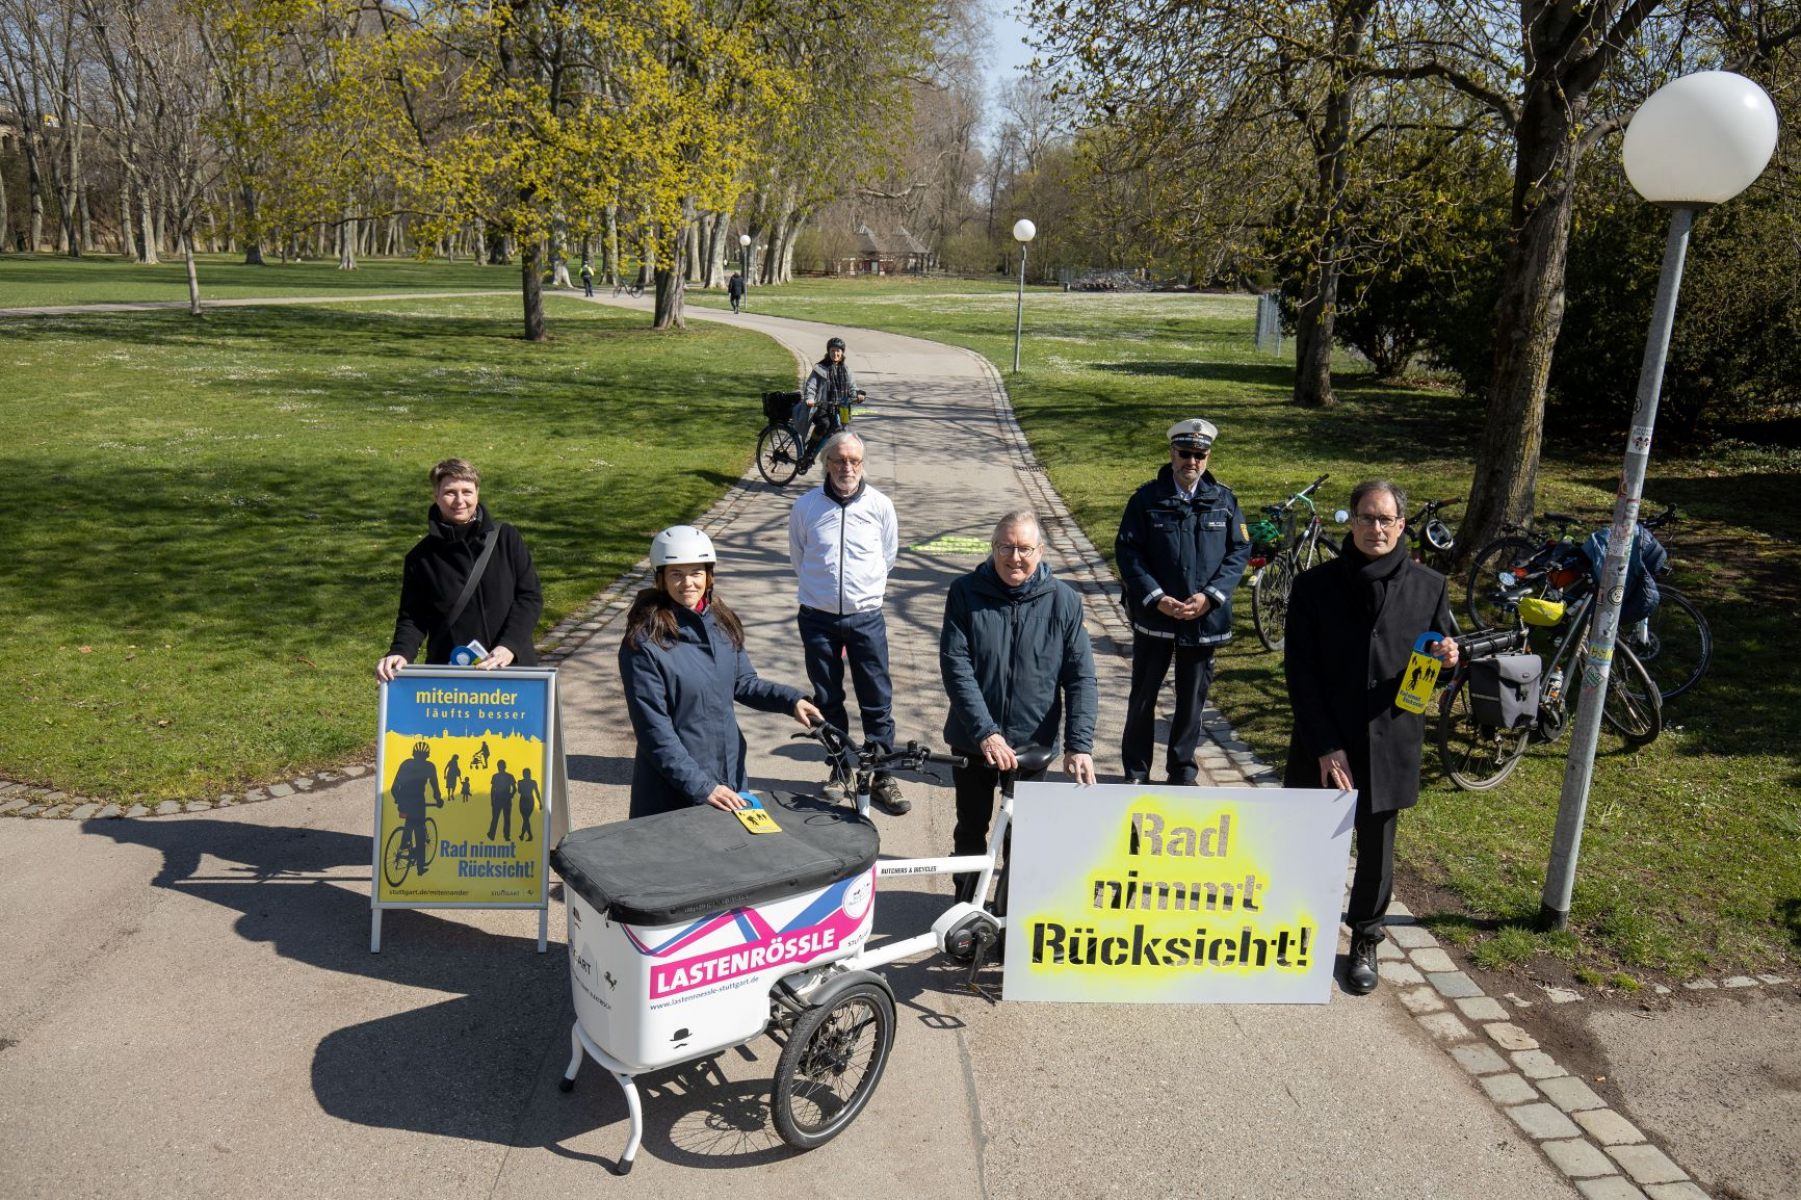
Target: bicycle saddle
1034	758
1561	519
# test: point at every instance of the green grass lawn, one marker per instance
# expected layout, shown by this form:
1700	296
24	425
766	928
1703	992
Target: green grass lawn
207	520
1691	860
40	280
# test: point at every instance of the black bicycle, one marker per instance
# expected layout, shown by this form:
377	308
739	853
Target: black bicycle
1281	548
781	451
1675	642
1434	543
1477	752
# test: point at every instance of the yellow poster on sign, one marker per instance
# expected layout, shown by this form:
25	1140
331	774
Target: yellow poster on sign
1125	894
466	786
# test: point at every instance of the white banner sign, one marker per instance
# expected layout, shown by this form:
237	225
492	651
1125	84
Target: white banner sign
1182	895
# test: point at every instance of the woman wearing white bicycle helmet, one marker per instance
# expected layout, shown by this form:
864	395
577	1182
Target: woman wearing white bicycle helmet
683	665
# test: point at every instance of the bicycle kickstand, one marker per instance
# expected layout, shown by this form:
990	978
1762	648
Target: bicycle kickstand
984	938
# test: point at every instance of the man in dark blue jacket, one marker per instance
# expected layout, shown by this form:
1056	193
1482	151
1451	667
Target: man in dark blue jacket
1017	666
1181	550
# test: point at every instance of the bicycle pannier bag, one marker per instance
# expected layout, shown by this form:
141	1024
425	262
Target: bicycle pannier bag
779	406
1504	690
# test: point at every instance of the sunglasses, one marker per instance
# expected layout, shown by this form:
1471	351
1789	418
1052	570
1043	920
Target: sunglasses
1193	455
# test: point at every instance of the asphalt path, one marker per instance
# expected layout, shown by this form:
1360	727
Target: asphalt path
190	1007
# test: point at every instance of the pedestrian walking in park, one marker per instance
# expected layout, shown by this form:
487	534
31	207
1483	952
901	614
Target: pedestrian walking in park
1181	550
410	782
734	287
1352	625
452	772
469	579
842	541
528	803
683	665
829	385
588	278
501	788
1018	669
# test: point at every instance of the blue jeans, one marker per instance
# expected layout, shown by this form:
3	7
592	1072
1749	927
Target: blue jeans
862	639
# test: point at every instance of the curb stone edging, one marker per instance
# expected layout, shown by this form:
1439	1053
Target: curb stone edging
1557	1111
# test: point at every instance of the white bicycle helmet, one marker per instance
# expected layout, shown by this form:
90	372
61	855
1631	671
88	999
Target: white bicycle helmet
681	544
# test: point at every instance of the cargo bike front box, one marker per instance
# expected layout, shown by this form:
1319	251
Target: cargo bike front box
689	935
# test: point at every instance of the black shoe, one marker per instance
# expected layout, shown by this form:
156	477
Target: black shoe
1360	977
1138	777
886	793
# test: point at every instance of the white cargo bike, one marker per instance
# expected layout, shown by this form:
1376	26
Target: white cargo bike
689	935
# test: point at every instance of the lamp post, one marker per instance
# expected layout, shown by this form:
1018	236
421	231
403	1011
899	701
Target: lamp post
1697	142
1023	232
744	254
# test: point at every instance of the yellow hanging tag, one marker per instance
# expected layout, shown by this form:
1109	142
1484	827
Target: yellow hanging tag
1420	677
756	818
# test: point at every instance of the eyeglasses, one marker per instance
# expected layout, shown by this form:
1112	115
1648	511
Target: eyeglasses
1006	550
1193	455
844	462
1375	521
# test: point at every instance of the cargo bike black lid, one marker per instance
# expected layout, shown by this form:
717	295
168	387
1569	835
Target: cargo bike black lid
675	866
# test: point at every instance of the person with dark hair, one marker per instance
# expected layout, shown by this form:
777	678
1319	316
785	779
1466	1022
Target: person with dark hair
1352	625
1181	549
440	607
683	665
734	288
829	385
588	278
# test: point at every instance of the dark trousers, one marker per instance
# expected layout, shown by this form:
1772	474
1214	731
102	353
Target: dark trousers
974	786
1194	675
1372	883
500	812
861	639
412	840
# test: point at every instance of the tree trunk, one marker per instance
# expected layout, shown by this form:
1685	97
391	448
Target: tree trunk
533	291
1313	333
346	245
87	220
6	224
647	261
253	233
187	255
671	290
148	252
34	189
610	248
1528	317
559	253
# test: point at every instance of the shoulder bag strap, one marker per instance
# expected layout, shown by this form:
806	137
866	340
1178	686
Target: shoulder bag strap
475	576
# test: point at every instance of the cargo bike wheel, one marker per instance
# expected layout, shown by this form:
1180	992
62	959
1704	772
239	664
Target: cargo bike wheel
778	454
832	1063
1476	756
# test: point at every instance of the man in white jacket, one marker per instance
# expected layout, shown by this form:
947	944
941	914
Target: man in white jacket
842	540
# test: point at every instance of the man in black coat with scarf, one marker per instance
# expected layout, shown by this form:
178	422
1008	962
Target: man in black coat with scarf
1352	626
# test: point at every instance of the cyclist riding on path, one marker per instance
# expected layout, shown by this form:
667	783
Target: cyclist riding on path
829	385
409	798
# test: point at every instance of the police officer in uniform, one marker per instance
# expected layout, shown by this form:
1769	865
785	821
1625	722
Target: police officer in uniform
1181	551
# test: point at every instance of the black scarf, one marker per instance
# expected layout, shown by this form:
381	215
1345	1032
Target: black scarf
1371	577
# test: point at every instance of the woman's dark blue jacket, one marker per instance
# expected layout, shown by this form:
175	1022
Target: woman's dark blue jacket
680	699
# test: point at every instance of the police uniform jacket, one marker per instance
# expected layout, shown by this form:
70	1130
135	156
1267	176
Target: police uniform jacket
680	701
1169	545
1344	664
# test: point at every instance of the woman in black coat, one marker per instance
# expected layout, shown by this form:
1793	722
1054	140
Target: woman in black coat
501	613
1352	626
683	665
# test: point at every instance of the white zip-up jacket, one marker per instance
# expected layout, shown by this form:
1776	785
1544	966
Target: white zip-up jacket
842	552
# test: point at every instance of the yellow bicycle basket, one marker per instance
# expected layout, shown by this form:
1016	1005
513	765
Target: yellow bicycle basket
1541	612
